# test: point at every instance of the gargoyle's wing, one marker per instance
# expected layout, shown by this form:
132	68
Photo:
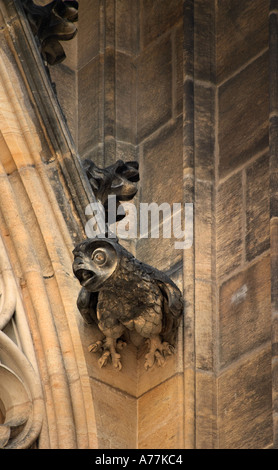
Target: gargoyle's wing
87	305
172	310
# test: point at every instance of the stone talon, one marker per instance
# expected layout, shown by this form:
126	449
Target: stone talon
116	361
167	349
158	351
104	359
95	347
149	362
159	358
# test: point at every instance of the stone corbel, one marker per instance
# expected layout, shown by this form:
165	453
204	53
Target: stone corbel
122	295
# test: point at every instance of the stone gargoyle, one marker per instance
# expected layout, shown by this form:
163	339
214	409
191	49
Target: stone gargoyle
51	24
118	179
121	294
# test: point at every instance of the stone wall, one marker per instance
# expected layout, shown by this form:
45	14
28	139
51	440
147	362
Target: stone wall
242	215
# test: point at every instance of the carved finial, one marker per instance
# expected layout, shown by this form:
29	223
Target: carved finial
50	24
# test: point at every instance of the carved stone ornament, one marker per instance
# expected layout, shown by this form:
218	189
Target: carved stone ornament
118	180
21	403
51	24
119	293
122	294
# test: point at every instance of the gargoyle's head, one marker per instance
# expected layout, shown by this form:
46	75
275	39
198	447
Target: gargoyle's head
95	260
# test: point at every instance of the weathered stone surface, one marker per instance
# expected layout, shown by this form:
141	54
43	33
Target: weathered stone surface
245	311
245	408
273	66
257	207
158	160
242	32
204	40
127	26
125	98
229	225
274	266
273	167
89	110
188	126
154	100
204	325
243	115
204	131
116	416
109	93
203	230
158	17
160	416
178	86
126	151
206	410
67	95
89	32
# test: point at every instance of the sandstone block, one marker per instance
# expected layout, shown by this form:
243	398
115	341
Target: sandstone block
158	160
206	412
243	115
125	98
245	311
203	230
154	100
245	404
158	17
229	225
160	416
204	40
89	34
257	207
116	416
242	32
90	124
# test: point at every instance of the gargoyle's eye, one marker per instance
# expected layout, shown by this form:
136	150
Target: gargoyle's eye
99	257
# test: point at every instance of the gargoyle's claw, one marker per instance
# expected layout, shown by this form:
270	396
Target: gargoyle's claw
104	359
159	359
116	361
167	349
149	362
95	347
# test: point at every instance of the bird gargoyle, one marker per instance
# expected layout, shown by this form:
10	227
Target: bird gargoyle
121	294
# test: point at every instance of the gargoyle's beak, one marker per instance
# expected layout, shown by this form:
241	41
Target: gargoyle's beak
85	276
83	273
